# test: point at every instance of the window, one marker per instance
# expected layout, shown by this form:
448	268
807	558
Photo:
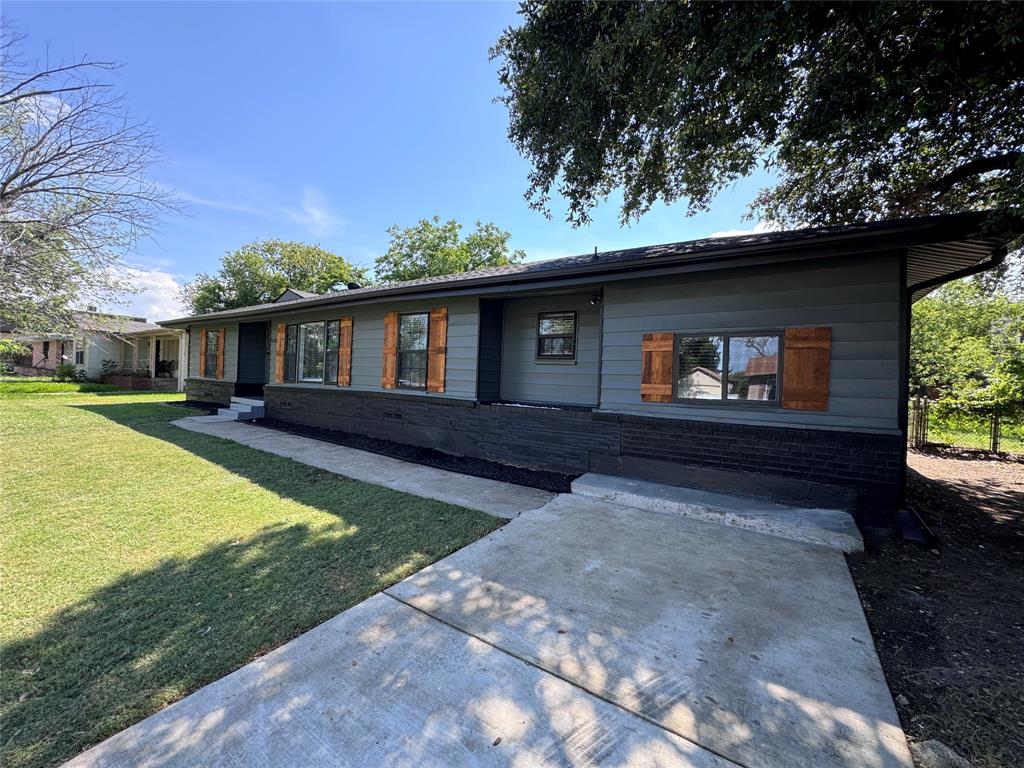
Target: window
556	335
79	357
311	352
211	353
290	345
412	351
46	350
740	367
331	372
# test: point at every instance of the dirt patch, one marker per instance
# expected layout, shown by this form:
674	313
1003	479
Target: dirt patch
556	482
949	622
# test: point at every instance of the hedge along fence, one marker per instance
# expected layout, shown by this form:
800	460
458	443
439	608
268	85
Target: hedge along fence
996	428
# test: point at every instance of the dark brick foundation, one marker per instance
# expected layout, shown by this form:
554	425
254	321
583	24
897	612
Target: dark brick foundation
579	440
209	390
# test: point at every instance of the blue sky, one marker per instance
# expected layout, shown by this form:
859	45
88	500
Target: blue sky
325	123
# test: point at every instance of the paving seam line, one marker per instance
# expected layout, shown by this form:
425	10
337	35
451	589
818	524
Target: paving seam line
573	683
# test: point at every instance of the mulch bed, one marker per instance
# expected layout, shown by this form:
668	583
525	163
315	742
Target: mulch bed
948	621
556	482
195	405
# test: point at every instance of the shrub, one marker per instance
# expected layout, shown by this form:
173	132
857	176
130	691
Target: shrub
108	367
68	372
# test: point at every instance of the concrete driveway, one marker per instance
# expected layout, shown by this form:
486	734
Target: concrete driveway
583	633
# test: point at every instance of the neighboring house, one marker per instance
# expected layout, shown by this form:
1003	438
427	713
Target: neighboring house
130	342
816	321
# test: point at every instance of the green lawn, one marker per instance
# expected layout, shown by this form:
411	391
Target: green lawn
139	561
33	385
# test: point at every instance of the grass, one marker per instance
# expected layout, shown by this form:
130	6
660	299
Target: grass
139	561
971	431
32	385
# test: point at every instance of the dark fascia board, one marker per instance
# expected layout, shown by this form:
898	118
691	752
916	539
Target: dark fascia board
732	252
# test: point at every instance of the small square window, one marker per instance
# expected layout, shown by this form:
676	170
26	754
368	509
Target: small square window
556	335
79	357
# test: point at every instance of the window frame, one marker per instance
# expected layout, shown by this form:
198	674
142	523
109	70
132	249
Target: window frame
211	370
425	350
79	353
293	357
538	355
723	398
300	356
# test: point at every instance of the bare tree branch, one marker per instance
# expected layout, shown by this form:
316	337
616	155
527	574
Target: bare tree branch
74	194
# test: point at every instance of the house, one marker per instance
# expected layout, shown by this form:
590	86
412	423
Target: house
130	343
782	353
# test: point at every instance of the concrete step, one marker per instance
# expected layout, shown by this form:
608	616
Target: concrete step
240	411
827	527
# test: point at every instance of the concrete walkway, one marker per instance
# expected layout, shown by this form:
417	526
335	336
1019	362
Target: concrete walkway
491	496
582	633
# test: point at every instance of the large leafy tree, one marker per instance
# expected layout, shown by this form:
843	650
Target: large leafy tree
257	273
968	346
862	110
432	248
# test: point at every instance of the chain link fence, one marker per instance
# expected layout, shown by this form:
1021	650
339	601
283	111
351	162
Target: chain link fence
996	430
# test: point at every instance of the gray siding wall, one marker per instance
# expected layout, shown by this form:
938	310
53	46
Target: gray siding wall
97	349
230	350
368	342
526	379
858	298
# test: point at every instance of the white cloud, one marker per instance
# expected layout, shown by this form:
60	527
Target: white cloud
757	229
315	214
158	296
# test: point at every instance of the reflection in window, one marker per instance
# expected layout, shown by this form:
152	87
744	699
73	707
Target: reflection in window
753	367
211	353
311	351
333	330
556	335
412	351
700	367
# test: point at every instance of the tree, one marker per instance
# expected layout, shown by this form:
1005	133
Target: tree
863	110
73	190
967	346
431	248
259	272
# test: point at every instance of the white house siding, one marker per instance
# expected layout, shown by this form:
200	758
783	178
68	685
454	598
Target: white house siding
98	348
524	378
230	350
859	298
368	341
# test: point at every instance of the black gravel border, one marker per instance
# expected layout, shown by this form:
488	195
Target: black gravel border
556	482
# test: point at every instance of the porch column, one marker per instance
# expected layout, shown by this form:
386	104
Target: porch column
182	360
152	356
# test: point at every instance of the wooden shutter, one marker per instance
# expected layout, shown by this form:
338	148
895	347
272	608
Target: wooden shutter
279	353
345	352
805	368
202	352
220	353
656	372
437	349
389	368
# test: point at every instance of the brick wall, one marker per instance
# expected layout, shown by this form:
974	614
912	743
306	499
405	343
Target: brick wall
577	440
209	390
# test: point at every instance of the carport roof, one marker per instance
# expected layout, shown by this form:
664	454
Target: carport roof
938	247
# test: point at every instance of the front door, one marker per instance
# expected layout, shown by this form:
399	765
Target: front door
252	359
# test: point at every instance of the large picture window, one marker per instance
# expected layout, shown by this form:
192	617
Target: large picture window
311	352
211	353
556	335
412	351
728	367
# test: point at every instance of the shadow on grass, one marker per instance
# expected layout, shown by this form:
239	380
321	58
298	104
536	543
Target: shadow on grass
150	637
